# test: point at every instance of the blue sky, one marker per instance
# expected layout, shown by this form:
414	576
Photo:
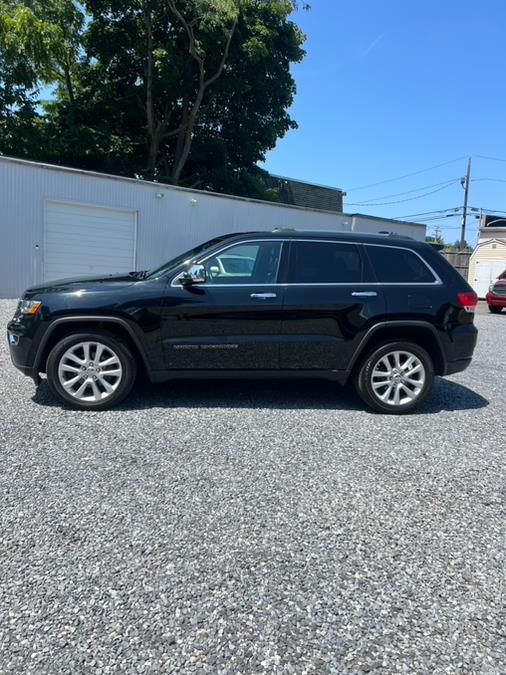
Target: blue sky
390	88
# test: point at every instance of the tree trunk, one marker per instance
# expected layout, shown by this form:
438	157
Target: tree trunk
181	137
185	134
153	136
68	84
184	140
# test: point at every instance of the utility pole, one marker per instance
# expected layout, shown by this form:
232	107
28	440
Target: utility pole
465	184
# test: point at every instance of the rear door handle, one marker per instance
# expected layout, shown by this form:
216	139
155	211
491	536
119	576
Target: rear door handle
263	296
364	294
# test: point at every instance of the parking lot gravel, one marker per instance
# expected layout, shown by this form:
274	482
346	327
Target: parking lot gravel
252	527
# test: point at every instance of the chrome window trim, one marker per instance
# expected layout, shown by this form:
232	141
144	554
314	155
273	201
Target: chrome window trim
437	282
436	276
225	248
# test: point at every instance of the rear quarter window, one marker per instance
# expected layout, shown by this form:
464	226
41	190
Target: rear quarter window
398	265
319	262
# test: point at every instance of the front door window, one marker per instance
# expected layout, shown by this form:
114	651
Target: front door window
249	263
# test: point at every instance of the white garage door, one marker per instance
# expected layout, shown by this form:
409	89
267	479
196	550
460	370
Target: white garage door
486	271
87	240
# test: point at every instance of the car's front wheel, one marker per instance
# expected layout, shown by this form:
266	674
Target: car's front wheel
494	309
91	370
395	377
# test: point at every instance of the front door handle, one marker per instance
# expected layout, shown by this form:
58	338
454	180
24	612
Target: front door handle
263	296
364	294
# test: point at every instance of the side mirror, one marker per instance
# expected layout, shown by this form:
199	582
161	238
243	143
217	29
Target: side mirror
195	274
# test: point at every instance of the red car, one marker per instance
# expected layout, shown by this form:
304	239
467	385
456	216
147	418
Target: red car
496	296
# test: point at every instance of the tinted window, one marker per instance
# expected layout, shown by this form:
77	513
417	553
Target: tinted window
245	264
173	264
313	262
398	265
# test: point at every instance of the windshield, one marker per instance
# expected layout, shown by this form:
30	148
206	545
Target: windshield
173	264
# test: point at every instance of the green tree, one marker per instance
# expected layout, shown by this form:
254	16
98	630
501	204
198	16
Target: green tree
456	246
190	92
40	44
44	39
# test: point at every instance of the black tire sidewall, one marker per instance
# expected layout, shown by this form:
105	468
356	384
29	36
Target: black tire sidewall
125	356
363	379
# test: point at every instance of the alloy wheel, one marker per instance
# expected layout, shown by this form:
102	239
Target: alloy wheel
90	371
398	378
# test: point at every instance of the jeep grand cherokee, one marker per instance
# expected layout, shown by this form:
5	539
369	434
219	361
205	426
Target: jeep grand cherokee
386	312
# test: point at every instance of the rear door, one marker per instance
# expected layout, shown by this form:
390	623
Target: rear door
414	289
329	305
233	320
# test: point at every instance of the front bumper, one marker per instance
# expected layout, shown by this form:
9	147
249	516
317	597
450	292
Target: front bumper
21	347
495	300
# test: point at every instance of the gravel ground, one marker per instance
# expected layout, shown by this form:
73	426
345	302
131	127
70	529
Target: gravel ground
253	527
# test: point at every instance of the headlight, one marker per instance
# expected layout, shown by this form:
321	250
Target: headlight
28	306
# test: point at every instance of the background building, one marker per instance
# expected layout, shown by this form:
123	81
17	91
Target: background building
488	259
309	195
57	222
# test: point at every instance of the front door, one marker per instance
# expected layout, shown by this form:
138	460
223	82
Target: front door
328	306
233	320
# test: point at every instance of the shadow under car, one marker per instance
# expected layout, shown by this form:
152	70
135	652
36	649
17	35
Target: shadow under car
272	394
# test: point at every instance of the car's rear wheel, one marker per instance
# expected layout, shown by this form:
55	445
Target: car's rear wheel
494	309
395	377
91	370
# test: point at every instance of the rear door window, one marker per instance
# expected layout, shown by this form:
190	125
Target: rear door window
398	265
318	262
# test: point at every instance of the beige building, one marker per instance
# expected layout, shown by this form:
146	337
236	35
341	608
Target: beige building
488	259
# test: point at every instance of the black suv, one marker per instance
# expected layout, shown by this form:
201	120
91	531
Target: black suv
387	312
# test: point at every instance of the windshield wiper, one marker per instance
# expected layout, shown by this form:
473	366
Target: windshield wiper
142	274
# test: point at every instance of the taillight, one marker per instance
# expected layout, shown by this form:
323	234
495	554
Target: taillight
468	300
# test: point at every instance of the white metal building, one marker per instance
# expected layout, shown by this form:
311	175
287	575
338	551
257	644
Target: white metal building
57	222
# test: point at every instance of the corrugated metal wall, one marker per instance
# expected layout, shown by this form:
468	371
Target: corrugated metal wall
170	220
364	223
166	226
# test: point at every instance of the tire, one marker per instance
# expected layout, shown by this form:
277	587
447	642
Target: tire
411	391
108	380
494	309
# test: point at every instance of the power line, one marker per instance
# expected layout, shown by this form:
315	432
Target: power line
400	201
426	213
433	218
492	210
407	175
495	180
493	159
406	192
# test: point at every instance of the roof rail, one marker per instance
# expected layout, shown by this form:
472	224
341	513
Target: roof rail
395	235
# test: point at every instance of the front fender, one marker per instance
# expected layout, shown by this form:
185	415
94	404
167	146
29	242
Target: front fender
92	320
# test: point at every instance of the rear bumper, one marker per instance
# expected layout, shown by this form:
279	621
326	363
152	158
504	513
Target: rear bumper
496	300
457	366
459	351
